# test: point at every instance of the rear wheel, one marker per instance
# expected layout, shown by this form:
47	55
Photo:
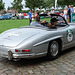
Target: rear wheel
53	50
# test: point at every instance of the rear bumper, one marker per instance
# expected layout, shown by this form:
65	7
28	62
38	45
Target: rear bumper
23	55
10	55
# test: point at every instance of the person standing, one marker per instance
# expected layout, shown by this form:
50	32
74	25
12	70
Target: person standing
52	10
35	14
74	9
70	12
30	16
65	12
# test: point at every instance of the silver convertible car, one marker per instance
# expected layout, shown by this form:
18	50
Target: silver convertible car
37	41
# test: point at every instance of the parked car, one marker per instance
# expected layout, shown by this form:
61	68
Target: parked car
35	41
57	12
42	17
26	16
14	17
7	16
1	17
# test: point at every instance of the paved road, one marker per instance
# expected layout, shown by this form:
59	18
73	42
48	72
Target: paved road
64	65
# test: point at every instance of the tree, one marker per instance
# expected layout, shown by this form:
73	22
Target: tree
62	3
66	2
32	4
48	3
1	5
17	5
9	8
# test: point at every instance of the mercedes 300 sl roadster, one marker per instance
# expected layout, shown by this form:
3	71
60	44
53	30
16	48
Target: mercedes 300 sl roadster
35	41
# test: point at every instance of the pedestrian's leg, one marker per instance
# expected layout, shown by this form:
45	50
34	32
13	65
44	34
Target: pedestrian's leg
30	20
70	19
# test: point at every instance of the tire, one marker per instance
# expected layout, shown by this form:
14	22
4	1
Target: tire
53	50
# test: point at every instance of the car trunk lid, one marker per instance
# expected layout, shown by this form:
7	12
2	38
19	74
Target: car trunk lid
13	38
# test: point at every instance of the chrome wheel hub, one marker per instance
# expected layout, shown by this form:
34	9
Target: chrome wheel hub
54	48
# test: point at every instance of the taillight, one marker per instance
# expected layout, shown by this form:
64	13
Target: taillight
23	50
16	50
27	50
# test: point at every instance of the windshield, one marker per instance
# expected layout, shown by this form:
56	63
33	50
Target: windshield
42	28
61	20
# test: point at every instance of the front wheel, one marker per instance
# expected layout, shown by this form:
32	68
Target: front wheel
53	50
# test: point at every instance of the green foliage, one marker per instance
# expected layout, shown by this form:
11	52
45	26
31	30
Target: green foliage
33	4
17	5
49	3
66	2
1	5
25	11
9	8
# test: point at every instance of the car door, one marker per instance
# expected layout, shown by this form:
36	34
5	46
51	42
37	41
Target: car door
68	36
66	30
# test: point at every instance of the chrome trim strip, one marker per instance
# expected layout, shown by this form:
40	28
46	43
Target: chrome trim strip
69	44
45	41
41	53
23	55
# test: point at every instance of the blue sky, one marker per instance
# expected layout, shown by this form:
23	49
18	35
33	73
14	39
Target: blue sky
8	3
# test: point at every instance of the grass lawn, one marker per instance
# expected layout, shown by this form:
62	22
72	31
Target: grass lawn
9	24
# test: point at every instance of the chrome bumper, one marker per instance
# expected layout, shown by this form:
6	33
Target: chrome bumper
11	55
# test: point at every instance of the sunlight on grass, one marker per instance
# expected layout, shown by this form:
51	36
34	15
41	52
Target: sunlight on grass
9	24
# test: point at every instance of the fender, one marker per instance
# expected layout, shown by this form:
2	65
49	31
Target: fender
47	40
